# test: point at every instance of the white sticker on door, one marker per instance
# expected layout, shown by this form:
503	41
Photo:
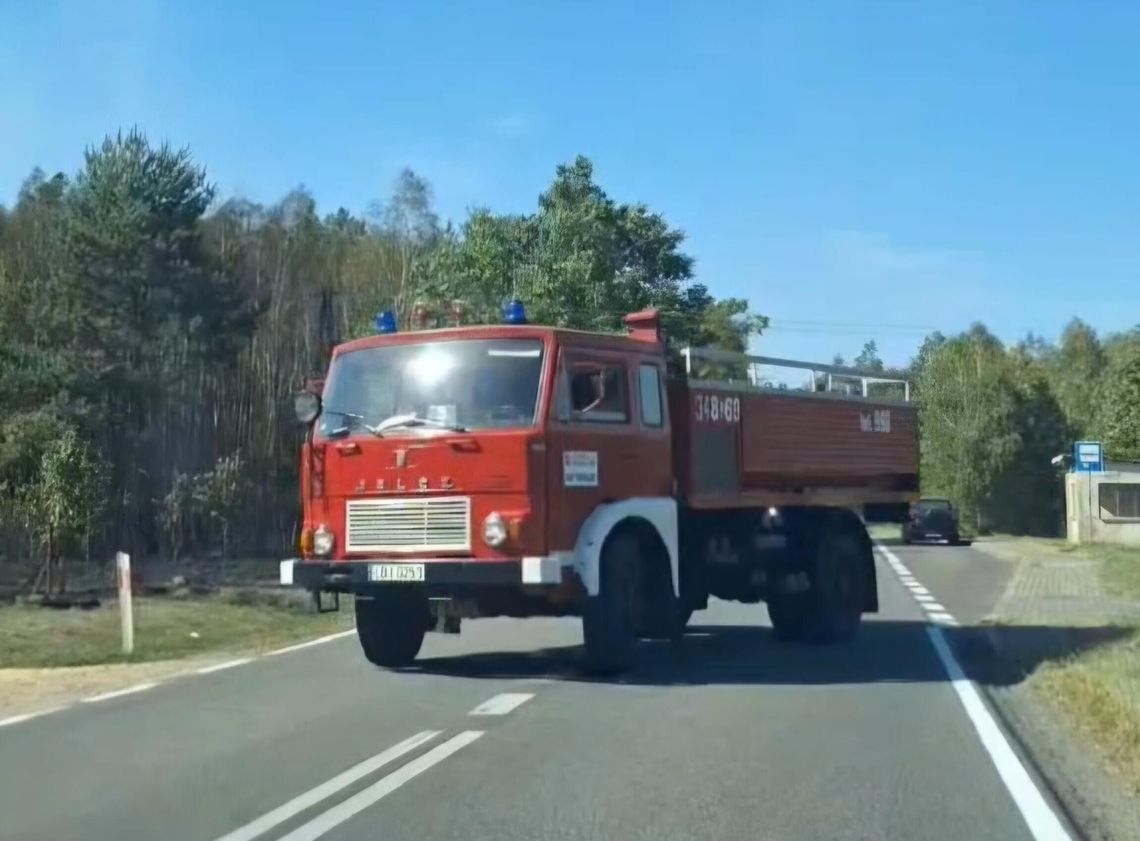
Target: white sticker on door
579	469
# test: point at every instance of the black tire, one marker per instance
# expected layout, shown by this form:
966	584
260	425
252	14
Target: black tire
608	618
831	610
657	610
839	587
955	539
906	537
684	614
391	625
788	613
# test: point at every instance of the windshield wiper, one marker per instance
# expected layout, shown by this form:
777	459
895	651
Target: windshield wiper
412	419
350	420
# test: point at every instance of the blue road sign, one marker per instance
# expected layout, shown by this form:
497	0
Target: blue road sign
1088	457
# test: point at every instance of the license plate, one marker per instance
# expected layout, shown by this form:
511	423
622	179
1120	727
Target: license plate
395	572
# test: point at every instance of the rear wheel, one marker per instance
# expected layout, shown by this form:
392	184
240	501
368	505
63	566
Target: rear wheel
608	618
391	625
789	615
831	608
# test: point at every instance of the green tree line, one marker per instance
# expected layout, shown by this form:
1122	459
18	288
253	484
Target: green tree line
151	336
992	417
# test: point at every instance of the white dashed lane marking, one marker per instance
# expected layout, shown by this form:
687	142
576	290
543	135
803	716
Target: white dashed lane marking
502	704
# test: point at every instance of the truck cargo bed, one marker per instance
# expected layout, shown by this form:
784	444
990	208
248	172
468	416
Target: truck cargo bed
740	444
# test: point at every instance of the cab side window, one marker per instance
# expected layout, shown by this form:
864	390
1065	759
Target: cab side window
598	392
649	390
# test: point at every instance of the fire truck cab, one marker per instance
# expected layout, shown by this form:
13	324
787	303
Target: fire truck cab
522	470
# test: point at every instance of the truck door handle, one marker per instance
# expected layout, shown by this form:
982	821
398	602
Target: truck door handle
350	448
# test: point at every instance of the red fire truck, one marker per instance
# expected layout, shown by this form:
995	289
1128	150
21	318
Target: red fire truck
522	470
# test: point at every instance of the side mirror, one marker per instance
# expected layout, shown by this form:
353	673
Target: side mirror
307	407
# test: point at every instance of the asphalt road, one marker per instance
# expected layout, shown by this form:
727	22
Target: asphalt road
727	735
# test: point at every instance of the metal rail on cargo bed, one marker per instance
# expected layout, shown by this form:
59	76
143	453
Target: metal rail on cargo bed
724	369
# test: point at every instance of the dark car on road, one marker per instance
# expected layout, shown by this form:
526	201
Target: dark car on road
932	519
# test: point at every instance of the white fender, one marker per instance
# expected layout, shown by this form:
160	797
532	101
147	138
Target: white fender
659	511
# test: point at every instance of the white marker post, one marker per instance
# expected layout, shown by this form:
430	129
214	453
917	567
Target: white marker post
126	612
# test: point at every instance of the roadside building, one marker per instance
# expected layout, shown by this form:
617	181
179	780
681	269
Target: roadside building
1104	507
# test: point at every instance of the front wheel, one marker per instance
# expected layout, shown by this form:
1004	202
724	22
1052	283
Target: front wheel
391	625
608	623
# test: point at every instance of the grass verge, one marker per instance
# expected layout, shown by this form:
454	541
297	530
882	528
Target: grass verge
1118	566
1120	572
165	628
1099	691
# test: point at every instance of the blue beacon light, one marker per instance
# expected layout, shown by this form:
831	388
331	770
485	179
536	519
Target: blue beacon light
385	322
514	312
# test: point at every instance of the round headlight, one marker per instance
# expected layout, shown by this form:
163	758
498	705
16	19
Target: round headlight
323	541
494	530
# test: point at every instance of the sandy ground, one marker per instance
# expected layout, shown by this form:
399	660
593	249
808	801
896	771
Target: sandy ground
32	690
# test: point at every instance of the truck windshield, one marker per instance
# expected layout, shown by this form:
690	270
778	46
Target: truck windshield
464	384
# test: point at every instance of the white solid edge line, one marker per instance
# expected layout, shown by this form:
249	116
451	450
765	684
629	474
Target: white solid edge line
1039	816
356	804
17	719
118	693
310	643
328	788
1042	821
229	664
502	704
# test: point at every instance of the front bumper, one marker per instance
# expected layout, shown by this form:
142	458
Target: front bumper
349	576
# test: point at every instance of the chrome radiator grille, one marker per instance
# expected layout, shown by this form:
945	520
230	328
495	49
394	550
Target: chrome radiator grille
409	525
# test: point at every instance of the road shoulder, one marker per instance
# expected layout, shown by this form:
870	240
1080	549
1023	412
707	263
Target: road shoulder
1051	610
55	657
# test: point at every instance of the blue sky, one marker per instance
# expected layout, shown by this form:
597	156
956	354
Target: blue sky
856	170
